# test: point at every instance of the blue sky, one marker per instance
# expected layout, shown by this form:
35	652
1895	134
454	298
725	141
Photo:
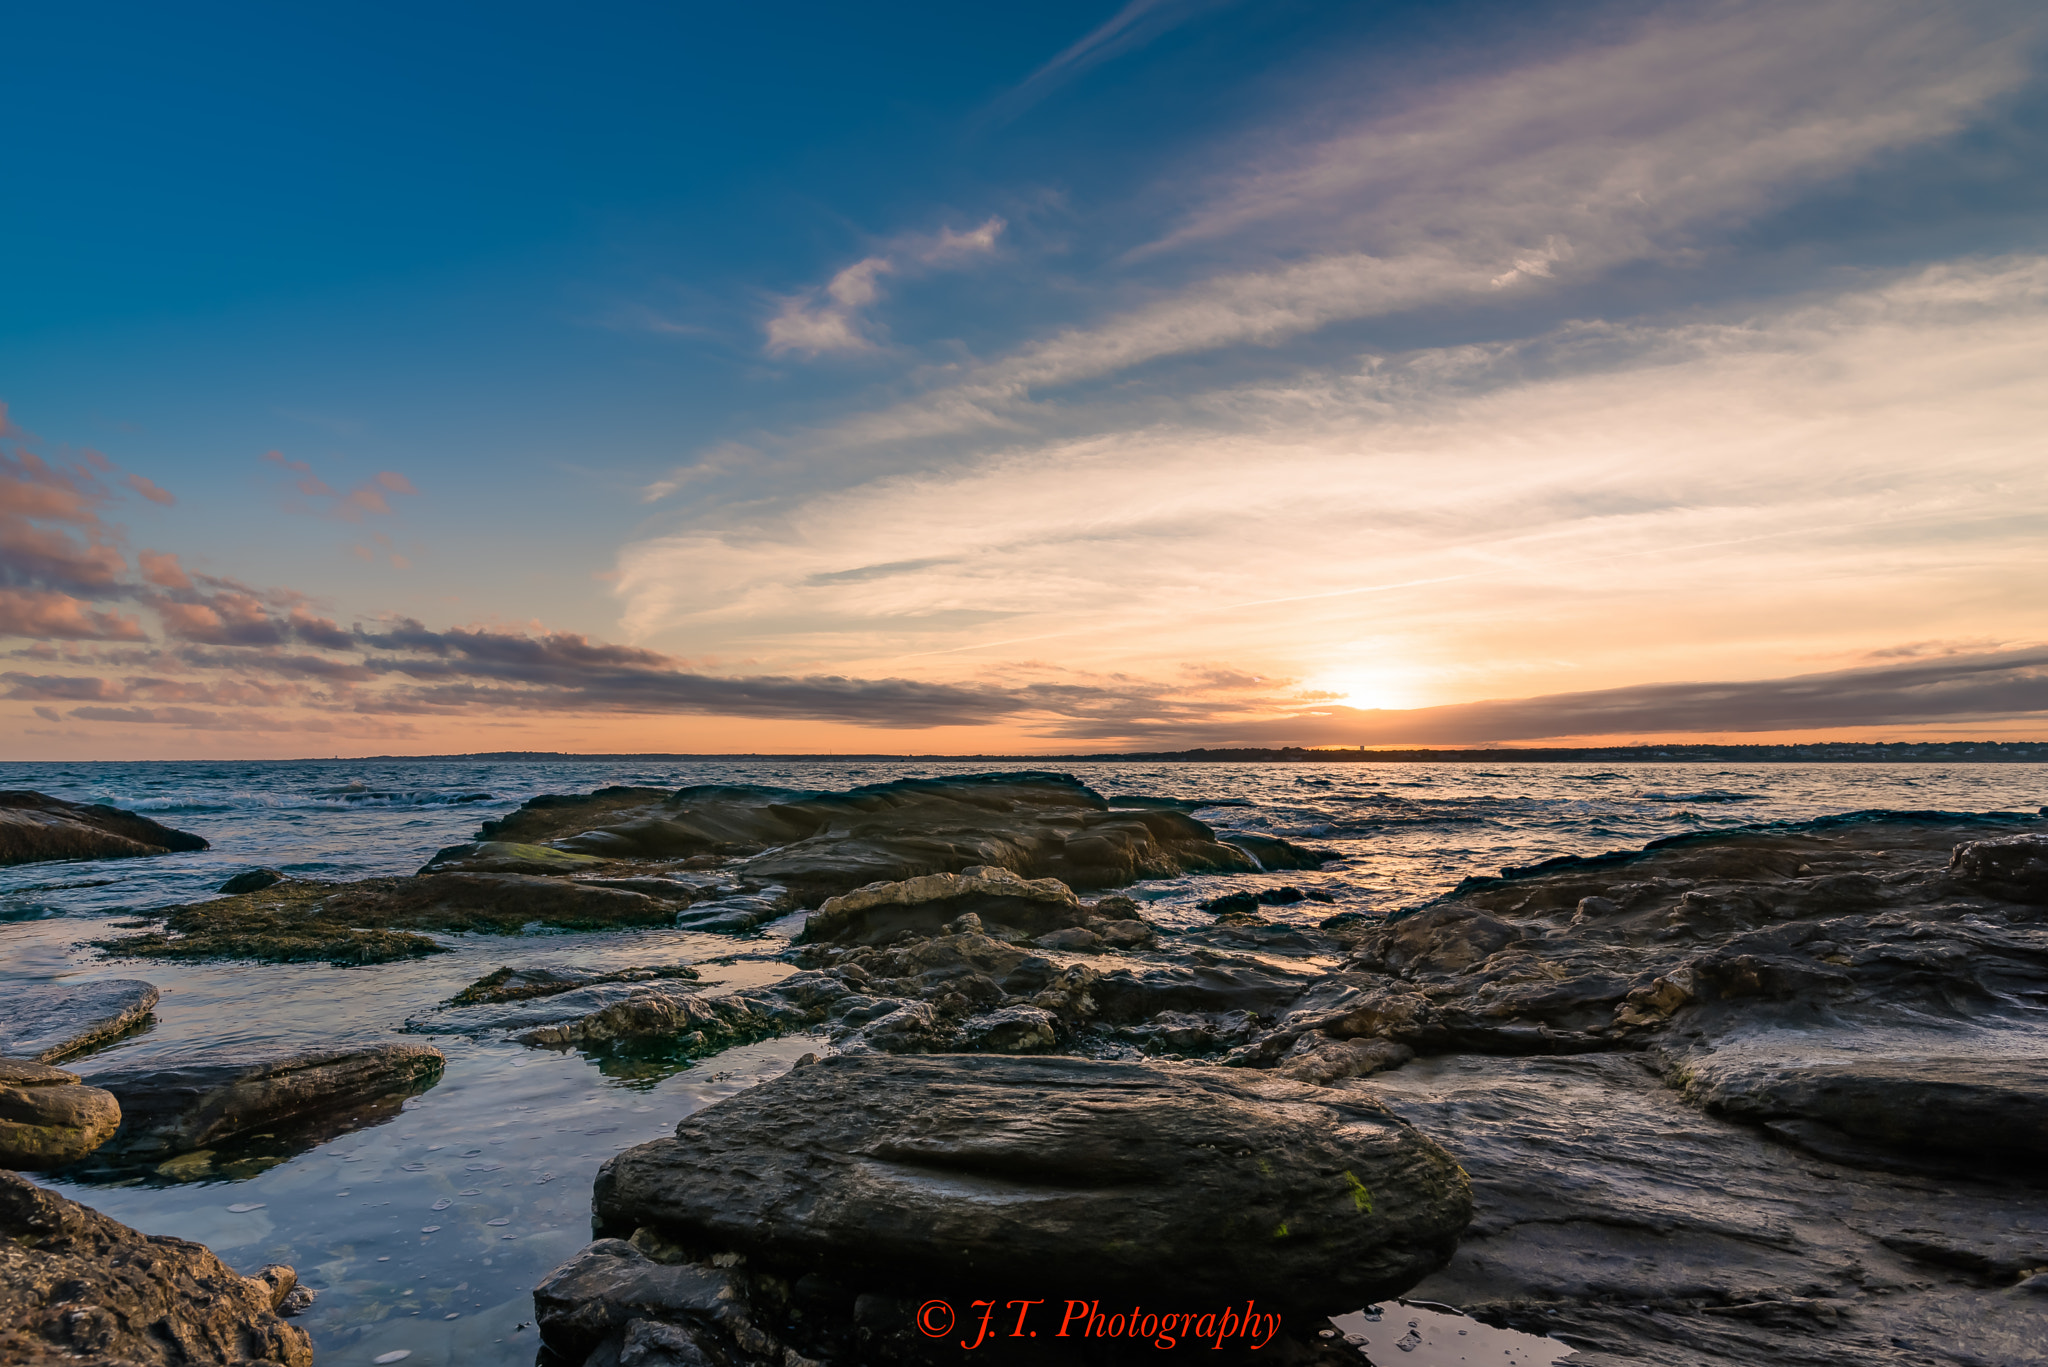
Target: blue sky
950	378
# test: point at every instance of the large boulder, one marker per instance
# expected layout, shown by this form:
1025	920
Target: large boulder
51	1021
77	1287
1053	1176
180	1105
1037	825
35	827
47	1119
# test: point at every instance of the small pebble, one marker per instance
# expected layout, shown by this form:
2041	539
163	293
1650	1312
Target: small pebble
244	1207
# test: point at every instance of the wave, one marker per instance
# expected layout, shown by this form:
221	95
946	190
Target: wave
1710	795
343	799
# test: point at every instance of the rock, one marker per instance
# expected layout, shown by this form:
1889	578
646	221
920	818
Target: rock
1855	979
50	1021
78	1287
509	856
2015	867
520	984
611	1291
35	827
373	920
1012	1030
684	1023
179	1105
1096	1178
818	844
882	911
252	880
47	1119
1613	1216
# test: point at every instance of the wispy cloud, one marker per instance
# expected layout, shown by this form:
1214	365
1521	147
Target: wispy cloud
1655	146
1132	27
832	318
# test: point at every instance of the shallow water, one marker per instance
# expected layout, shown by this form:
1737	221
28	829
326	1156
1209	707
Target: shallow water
515	1135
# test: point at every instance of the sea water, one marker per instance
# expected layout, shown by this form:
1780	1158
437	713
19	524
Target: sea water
425	1233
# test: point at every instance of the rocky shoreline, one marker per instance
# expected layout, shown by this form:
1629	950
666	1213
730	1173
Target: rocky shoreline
1770	1092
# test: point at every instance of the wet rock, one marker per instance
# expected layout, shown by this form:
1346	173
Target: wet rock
76	1286
921	906
1012	1030
509	856
36	827
613	1296
47	1119
2015	867
1612	1215
376	920
51	1021
521	984
680	1023
819	844
926	1172
180	1105
252	880
1865	980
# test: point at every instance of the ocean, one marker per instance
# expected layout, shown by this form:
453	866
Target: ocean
426	1233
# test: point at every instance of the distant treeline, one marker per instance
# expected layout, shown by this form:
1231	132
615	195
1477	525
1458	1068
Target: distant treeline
1827	752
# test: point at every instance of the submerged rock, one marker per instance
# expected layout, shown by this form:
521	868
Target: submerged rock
1036	825
36	827
1050	1175
177	1106
47	1119
881	911
51	1021
76	1286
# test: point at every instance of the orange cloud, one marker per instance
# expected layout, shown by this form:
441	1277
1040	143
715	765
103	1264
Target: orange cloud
59	616
162	569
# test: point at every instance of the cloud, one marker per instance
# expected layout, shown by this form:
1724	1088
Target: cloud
1547	173
2011	685
1133	26
371	497
163	570
150	491
829	320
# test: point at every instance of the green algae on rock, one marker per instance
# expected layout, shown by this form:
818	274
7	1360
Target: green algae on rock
377	920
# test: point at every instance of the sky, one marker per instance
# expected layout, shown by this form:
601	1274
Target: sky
1064	378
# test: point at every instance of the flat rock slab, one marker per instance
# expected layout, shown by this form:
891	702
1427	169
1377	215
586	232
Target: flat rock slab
1614	1217
77	1287
178	1106
1014	1172
48	1021
36	827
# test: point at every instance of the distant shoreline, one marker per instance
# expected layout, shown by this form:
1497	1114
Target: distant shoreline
1832	752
